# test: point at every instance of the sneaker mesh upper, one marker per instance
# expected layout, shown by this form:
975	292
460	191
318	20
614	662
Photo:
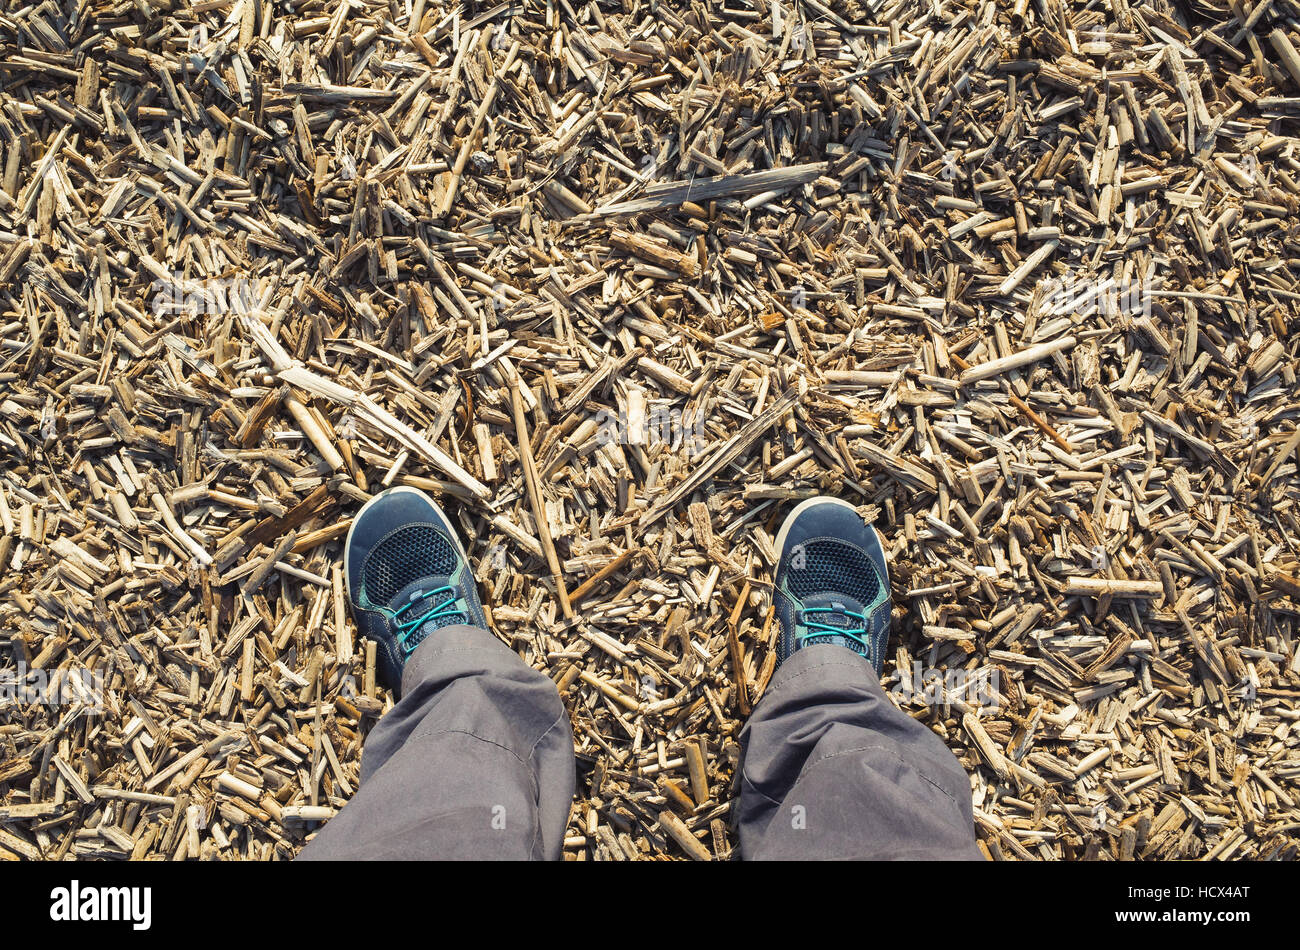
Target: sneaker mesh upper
406	555
831	566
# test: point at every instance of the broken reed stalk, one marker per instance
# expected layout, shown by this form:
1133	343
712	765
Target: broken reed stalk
536	497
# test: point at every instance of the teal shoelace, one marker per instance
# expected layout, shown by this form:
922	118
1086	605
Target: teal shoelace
407	628
818	629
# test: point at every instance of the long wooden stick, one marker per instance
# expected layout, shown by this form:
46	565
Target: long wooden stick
591	583
672	194
1097	586
1039	421
1005	364
535	497
737	654
467	146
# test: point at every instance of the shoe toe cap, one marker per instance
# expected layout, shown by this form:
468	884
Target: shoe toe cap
831	519
382	515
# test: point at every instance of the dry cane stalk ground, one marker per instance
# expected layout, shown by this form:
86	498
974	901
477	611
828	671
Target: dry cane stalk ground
1017	279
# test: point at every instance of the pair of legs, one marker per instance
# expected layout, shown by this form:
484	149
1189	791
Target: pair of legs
476	759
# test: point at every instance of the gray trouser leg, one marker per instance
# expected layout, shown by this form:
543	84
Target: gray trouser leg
475	761
832	769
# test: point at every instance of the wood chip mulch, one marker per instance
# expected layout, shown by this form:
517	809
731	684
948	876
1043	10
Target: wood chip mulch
620	282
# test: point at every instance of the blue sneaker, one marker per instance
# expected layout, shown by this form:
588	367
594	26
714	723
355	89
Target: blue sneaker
407	576
831	584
